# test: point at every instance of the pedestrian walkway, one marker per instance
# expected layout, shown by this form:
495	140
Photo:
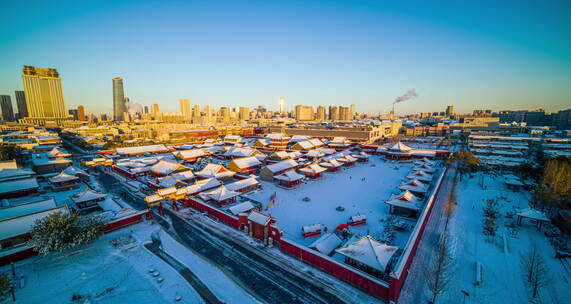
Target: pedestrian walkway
188	275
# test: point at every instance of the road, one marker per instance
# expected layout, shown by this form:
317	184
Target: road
269	282
415	283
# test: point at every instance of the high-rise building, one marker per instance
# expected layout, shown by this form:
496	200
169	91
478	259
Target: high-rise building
352	111
81	113
118	99
7	109
74	113
225	114
208	111
304	113
344	113
196	111
154	109
146	109
321	113
450	111
21	103
333	113
44	95
185	107
282	105
244	113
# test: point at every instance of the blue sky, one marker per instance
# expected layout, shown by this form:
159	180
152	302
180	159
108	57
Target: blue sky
472	54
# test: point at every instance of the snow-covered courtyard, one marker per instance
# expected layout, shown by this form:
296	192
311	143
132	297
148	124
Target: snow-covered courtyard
503	280
116	269
361	189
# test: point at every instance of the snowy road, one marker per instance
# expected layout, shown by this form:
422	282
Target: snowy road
271	283
413	291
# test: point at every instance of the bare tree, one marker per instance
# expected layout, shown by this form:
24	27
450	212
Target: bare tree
450	207
439	274
534	269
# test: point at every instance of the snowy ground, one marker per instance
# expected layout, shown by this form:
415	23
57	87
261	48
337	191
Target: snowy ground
107	274
361	189
502	276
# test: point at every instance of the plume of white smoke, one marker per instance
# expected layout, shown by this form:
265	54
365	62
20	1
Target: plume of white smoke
133	107
409	95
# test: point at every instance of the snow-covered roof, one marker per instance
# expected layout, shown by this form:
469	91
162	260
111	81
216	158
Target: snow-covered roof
188	154
338	140
241	208
406	200
259	218
424	168
414	185
305	145
164	167
241	184
10	186
313	169
142	149
294	154
167	181
220	194
214	171
241	152
56	152
23	224
153	198
9	174
316	142
311	228
201	185
246	162
400	147
281	154
314	153
71	170
369	252
87	195
282	165
421	176
289	176
184	175
326	243
533	214
326	151
277	136
27	208
166	191
62	177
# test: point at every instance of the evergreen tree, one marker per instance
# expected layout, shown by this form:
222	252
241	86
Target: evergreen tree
555	188
62	231
5	286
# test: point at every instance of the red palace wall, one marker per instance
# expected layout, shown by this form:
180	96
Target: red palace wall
370	285
227	219
397	281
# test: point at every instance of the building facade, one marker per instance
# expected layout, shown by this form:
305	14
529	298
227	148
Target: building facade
304	113
185	108
44	95
7	109
21	103
118	99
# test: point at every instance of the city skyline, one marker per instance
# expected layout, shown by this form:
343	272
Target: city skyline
359	53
